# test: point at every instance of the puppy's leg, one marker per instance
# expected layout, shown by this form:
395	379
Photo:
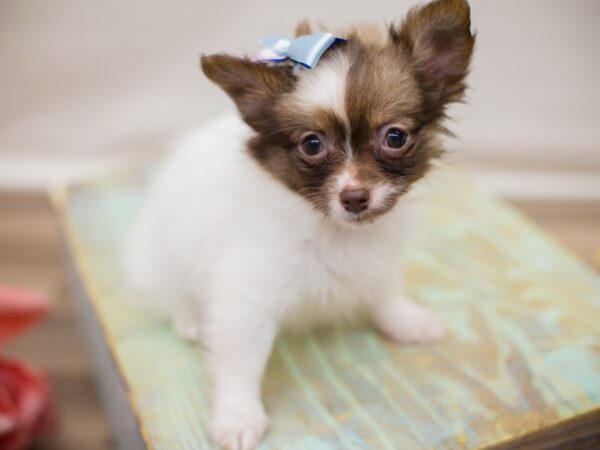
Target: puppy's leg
239	344
403	320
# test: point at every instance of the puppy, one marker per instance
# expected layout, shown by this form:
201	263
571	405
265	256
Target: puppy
294	214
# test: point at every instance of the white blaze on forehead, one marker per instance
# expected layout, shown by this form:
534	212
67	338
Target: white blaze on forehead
325	85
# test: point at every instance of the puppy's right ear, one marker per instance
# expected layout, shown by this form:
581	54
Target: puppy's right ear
253	87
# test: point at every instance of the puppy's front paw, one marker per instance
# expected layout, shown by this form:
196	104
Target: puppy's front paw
238	428
406	321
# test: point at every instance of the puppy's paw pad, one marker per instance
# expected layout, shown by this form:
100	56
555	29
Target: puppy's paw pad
238	430
407	322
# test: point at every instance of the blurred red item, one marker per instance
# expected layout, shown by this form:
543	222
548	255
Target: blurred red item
25	407
25	402
19	309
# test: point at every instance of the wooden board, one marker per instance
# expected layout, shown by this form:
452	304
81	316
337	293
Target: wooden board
523	355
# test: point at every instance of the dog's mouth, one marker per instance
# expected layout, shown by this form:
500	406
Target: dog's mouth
362	218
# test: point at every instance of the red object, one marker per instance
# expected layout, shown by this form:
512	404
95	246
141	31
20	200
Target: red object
19	309
25	403
25	409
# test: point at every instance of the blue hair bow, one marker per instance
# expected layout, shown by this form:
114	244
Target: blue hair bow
305	50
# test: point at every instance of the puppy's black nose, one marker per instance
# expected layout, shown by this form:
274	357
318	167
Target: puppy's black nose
354	200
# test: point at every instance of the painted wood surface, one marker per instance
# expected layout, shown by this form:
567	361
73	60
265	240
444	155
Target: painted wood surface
523	354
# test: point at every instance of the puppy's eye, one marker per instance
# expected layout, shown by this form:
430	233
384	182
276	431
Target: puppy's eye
312	149
395	142
311	145
396	138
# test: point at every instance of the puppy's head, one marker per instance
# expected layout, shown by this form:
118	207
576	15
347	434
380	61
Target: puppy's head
355	132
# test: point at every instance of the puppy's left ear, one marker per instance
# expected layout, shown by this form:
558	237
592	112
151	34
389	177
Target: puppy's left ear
438	38
253	87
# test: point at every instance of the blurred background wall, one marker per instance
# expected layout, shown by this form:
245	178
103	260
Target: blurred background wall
86	86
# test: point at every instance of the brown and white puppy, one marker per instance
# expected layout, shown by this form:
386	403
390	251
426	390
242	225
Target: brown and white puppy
364	123
295	216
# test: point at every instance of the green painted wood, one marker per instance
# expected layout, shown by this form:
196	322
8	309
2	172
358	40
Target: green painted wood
524	350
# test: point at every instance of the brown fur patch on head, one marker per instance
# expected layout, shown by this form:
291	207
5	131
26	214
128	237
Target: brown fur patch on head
358	91
368	33
303	28
395	98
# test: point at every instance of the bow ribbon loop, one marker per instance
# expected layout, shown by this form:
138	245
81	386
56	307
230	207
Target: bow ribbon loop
305	50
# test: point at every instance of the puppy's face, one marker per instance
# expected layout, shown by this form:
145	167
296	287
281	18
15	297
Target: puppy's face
354	133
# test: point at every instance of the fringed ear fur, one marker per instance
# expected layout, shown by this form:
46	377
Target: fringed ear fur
438	38
253	87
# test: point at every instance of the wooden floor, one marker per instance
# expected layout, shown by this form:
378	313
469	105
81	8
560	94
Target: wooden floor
30	257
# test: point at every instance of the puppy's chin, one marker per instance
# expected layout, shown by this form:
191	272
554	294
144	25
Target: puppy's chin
346	219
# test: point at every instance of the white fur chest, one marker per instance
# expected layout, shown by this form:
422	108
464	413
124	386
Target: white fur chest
336	273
